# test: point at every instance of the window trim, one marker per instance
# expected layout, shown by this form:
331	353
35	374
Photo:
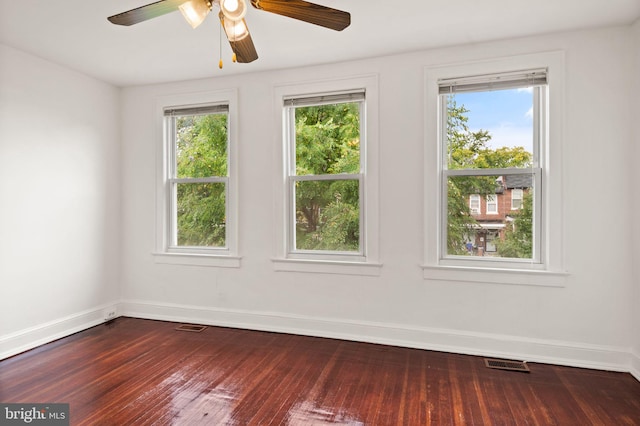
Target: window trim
164	251
365	262
550	269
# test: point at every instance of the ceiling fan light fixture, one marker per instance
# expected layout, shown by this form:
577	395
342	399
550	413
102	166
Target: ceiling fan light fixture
235	30
194	11
233	10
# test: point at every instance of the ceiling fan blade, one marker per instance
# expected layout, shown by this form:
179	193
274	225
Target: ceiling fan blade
240	39
147	12
308	12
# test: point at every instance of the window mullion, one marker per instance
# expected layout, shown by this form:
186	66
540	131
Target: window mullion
173	216
340	176
539	123
291	141
361	212
171	188
538	224
212	179
291	213
491	172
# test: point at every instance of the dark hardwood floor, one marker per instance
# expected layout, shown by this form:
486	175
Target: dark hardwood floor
141	372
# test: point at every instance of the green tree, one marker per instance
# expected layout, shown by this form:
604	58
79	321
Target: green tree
518	237
464	149
328	143
201	151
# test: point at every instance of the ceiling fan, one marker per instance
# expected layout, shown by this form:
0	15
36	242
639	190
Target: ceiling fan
232	14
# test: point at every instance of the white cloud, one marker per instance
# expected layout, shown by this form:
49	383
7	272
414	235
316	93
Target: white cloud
525	89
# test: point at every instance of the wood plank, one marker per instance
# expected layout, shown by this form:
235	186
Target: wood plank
134	371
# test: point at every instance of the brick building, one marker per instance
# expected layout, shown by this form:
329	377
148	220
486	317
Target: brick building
494	212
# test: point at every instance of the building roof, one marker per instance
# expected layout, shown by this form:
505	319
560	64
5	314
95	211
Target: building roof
524	180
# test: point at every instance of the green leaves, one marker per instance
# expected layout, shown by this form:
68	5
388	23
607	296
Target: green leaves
328	143
518	237
201	148
328	139
201	152
201	214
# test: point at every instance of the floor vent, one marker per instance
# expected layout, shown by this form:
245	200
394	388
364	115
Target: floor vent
504	364
190	327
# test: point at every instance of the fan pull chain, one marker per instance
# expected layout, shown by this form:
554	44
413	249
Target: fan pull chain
220	63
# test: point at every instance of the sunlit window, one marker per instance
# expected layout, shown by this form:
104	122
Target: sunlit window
491	136
198	178
325	174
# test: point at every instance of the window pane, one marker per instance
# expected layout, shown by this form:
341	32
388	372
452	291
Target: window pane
327	215
516	198
474	203
201	145
201	214
328	139
504	233
490	129
492	204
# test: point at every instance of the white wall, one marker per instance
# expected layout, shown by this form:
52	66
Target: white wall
588	322
59	200
633	163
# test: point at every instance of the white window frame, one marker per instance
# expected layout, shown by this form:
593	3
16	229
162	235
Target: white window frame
474	203
365	262
166	251
292	177
548	267
491	200
520	198
540	119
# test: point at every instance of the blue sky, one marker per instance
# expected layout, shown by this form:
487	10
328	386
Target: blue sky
506	114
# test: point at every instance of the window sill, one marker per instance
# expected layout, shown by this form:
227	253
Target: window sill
495	275
327	267
197	259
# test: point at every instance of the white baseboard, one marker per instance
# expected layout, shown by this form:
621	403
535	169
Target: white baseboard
29	338
482	344
635	366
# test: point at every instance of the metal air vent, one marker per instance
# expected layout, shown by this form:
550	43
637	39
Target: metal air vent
505	364
191	327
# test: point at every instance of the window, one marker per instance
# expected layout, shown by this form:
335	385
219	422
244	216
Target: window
474	203
329	181
198	178
493	126
492	204
516	198
325	174
480	156
196	192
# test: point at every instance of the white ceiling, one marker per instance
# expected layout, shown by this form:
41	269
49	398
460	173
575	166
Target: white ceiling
76	33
